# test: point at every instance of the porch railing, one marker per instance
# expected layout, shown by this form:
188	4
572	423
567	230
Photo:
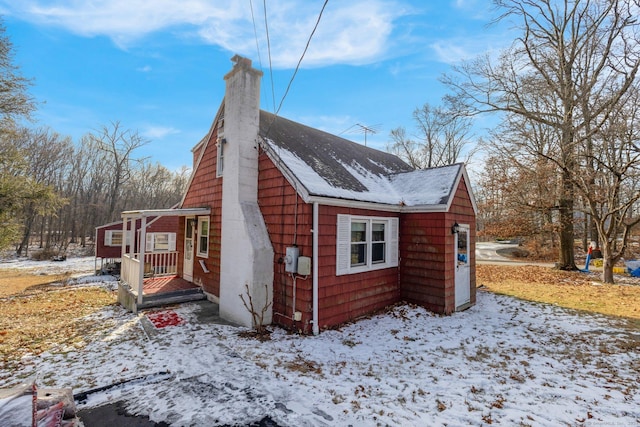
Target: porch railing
155	264
161	263
130	271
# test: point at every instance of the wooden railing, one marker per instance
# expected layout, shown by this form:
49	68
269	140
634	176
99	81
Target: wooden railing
155	264
130	272
161	263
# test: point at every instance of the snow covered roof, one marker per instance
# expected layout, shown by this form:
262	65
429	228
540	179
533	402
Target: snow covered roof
328	166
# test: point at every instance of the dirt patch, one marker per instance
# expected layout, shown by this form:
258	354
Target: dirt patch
574	290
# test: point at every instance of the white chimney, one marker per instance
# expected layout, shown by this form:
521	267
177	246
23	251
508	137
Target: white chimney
246	257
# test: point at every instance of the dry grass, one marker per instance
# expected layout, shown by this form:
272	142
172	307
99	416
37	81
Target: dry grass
14	281
573	290
37	316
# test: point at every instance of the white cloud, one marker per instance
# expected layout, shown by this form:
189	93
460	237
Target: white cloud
457	49
454	51
355	32
144	69
158	132
476	9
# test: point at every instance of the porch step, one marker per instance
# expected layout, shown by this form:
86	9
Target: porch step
174	297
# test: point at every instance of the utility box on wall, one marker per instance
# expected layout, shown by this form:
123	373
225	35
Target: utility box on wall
291	259
304	266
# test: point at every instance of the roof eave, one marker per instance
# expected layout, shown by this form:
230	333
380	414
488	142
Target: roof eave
356	204
166	212
285	171
462	173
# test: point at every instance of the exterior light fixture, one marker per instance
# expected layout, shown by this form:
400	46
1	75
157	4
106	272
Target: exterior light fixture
455	228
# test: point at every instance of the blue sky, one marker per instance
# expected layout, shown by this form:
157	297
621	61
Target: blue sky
158	66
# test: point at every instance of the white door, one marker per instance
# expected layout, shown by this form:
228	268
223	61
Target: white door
189	234
463	274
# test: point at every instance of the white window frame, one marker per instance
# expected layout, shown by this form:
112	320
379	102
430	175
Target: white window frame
220	143
343	244
108	238
199	250
151	240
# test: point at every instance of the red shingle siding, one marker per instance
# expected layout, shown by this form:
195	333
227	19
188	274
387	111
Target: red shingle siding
162	224
289	222
347	297
426	275
462	212
423	256
341	298
206	191
103	251
427	254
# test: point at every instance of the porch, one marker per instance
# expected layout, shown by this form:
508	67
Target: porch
159	291
148	277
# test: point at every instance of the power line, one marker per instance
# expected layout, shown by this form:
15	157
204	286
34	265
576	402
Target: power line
286	92
266	26
255	33
315	27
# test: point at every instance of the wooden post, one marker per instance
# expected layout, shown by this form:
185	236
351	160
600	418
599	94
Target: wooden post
142	245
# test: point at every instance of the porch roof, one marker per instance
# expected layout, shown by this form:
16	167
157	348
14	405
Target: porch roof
166	212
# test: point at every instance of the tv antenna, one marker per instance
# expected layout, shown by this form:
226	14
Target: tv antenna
372	129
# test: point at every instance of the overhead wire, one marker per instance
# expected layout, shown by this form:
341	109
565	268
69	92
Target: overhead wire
293	76
255	34
315	27
266	26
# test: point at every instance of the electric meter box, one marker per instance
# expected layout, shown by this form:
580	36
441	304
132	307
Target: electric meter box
291	259
304	266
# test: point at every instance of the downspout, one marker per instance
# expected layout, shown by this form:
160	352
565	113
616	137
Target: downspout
314	263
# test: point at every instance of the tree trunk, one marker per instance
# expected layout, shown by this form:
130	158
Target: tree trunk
607	263
566	259
23	248
585	233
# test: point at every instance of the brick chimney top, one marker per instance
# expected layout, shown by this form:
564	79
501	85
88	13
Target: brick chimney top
244	64
241	61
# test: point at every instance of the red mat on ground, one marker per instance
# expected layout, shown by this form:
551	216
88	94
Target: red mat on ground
162	319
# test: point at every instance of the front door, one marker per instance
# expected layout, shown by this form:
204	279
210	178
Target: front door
463	273
189	233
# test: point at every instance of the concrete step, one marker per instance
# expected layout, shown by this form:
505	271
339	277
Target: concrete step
168	298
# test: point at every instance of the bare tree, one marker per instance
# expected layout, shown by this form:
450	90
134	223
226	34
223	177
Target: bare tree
569	54
442	139
15	101
45	152
519	186
118	144
610	178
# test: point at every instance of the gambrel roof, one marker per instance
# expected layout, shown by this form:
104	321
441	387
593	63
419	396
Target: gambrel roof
324	166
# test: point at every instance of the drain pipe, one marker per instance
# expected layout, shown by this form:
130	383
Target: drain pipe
314	264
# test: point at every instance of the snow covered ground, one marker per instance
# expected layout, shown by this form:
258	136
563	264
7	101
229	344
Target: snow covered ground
504	362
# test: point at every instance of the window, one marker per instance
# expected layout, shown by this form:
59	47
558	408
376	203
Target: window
378	244
203	236
160	242
366	243
463	246
358	243
114	238
220	162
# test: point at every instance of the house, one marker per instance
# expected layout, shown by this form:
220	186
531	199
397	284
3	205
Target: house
160	242
282	223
